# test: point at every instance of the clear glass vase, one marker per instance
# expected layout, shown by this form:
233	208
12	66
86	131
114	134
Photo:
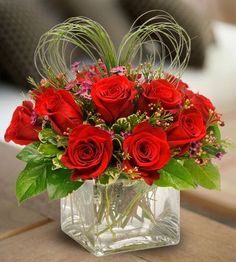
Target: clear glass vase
120	217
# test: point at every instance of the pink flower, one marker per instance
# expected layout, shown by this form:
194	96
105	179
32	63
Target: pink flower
119	70
71	85
85	87
75	67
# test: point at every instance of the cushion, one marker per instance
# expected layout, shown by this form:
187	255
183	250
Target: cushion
21	25
197	26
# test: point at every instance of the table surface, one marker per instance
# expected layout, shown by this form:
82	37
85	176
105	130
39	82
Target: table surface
40	239
28	234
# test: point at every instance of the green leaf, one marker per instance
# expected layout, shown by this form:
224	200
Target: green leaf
207	176
179	173
169	180
31	181
57	163
133	120
104	179
216	131
121	125
62	141
59	184
48	150
30	153
47	135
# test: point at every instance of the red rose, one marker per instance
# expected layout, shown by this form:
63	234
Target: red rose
159	91
113	97
60	108
89	152
23	128
203	104
188	128
147	150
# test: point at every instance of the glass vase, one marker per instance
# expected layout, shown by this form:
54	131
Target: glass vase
120	217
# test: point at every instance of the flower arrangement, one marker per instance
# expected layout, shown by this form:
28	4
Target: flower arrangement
130	128
110	122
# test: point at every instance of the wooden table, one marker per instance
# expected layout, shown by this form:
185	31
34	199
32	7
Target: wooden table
202	239
28	234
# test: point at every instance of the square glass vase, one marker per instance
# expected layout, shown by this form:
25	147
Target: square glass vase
121	217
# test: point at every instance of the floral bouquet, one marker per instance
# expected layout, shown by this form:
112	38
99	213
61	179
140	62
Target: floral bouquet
116	141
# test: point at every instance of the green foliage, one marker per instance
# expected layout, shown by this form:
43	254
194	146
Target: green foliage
175	175
39	177
59	184
176	168
32	181
104	179
134	119
30	153
56	161
48	150
126	124
121	125
170	180
189	175
47	135
51	142
207	176
44	170
62	141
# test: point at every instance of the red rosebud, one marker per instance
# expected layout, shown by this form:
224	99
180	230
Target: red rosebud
60	108
148	151
113	97
159	91
188	128
23	130
89	152
202	103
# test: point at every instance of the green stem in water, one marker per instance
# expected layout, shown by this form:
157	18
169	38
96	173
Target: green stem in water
108	212
126	215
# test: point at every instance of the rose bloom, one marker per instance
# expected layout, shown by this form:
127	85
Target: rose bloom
160	91
60	108
188	128
89	152
147	150
23	128
113	97
202	103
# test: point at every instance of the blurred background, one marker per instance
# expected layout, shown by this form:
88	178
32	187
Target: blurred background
211	25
